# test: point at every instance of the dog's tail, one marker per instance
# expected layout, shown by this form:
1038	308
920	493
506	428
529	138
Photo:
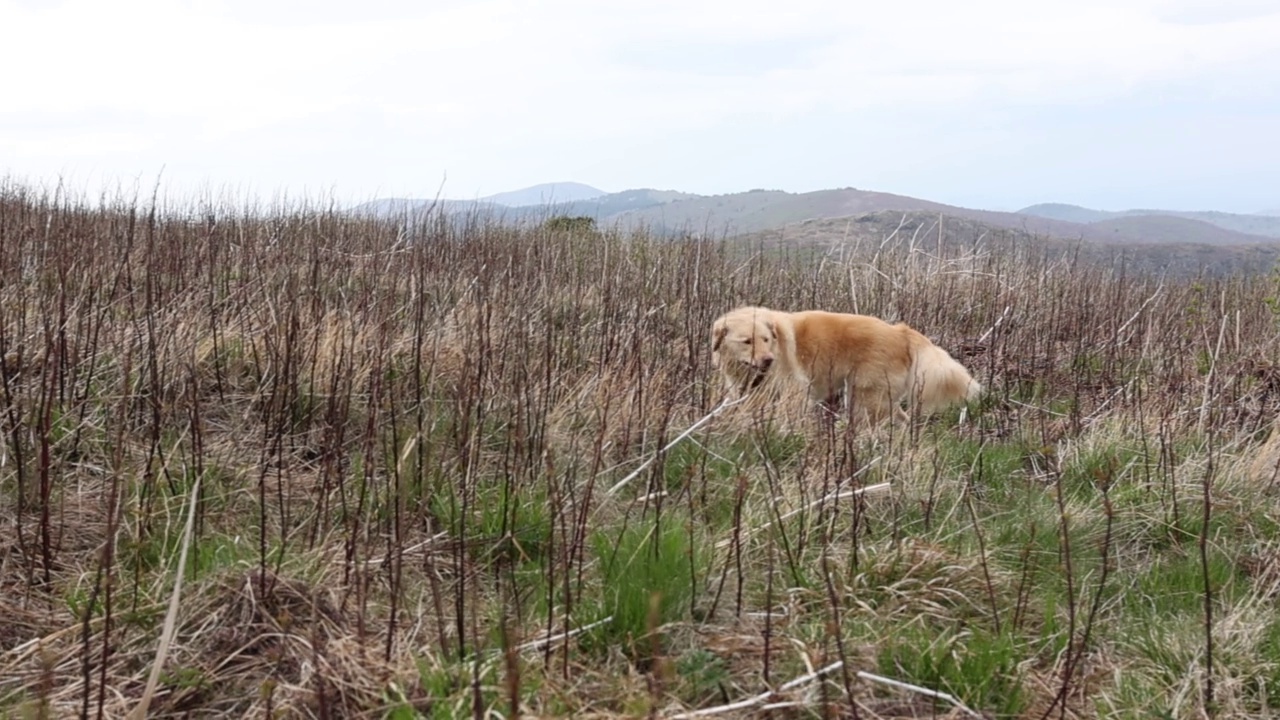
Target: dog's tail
938	380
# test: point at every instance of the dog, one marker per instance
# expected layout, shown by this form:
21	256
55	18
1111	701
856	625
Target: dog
874	365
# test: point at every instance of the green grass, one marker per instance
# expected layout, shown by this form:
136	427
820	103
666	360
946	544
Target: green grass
648	574
978	668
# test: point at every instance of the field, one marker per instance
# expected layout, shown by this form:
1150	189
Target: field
273	461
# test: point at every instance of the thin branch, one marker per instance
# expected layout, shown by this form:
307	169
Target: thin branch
725	404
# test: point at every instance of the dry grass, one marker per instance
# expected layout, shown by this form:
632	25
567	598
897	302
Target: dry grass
404	444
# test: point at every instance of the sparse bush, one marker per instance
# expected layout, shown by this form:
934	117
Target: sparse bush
571	224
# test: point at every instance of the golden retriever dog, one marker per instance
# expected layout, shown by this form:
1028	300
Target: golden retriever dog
875	365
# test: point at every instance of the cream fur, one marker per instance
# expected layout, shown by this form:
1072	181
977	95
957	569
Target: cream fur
876	365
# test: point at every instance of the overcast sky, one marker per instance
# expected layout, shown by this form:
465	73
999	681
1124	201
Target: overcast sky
985	103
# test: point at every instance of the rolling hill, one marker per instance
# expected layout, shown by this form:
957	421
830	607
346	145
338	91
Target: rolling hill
1259	224
536	196
766	209
557	192
604	207
932	232
1185	239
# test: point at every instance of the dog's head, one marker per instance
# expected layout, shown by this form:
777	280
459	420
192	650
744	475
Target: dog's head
746	338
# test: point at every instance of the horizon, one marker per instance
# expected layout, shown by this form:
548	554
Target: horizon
1148	104
602	191
185	196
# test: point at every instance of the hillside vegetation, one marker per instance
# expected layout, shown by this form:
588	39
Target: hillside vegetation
282	462
938	232
1262	224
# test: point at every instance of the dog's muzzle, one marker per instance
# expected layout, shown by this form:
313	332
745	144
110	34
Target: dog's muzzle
757	376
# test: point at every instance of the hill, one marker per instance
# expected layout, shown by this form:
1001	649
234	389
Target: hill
1260	224
1169	229
545	193
1183	239
612	206
605	207
414	207
535	196
1069	213
759	210
940	234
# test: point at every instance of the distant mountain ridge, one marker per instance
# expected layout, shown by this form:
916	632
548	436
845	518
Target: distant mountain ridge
556	192
934	232
759	210
783	213
1267	225
601	207
534	196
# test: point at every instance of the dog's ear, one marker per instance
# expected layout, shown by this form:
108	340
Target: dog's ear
718	331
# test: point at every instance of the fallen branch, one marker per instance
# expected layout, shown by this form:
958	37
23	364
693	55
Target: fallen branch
993	328
829	498
762	700
542	642
375	562
764	697
725	404
918	690
1127	323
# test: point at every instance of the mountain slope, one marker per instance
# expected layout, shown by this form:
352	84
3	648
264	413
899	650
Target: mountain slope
1259	224
396	207
554	193
761	210
951	233
1069	213
1168	229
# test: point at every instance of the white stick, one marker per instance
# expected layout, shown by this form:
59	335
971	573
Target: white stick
763	697
1142	307
726	403
828	498
1003	315
1208	378
535	644
918	690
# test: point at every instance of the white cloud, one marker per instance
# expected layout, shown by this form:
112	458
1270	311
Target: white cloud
201	60
466	84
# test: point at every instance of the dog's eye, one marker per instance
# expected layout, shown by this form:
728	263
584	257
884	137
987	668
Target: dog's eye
747	340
